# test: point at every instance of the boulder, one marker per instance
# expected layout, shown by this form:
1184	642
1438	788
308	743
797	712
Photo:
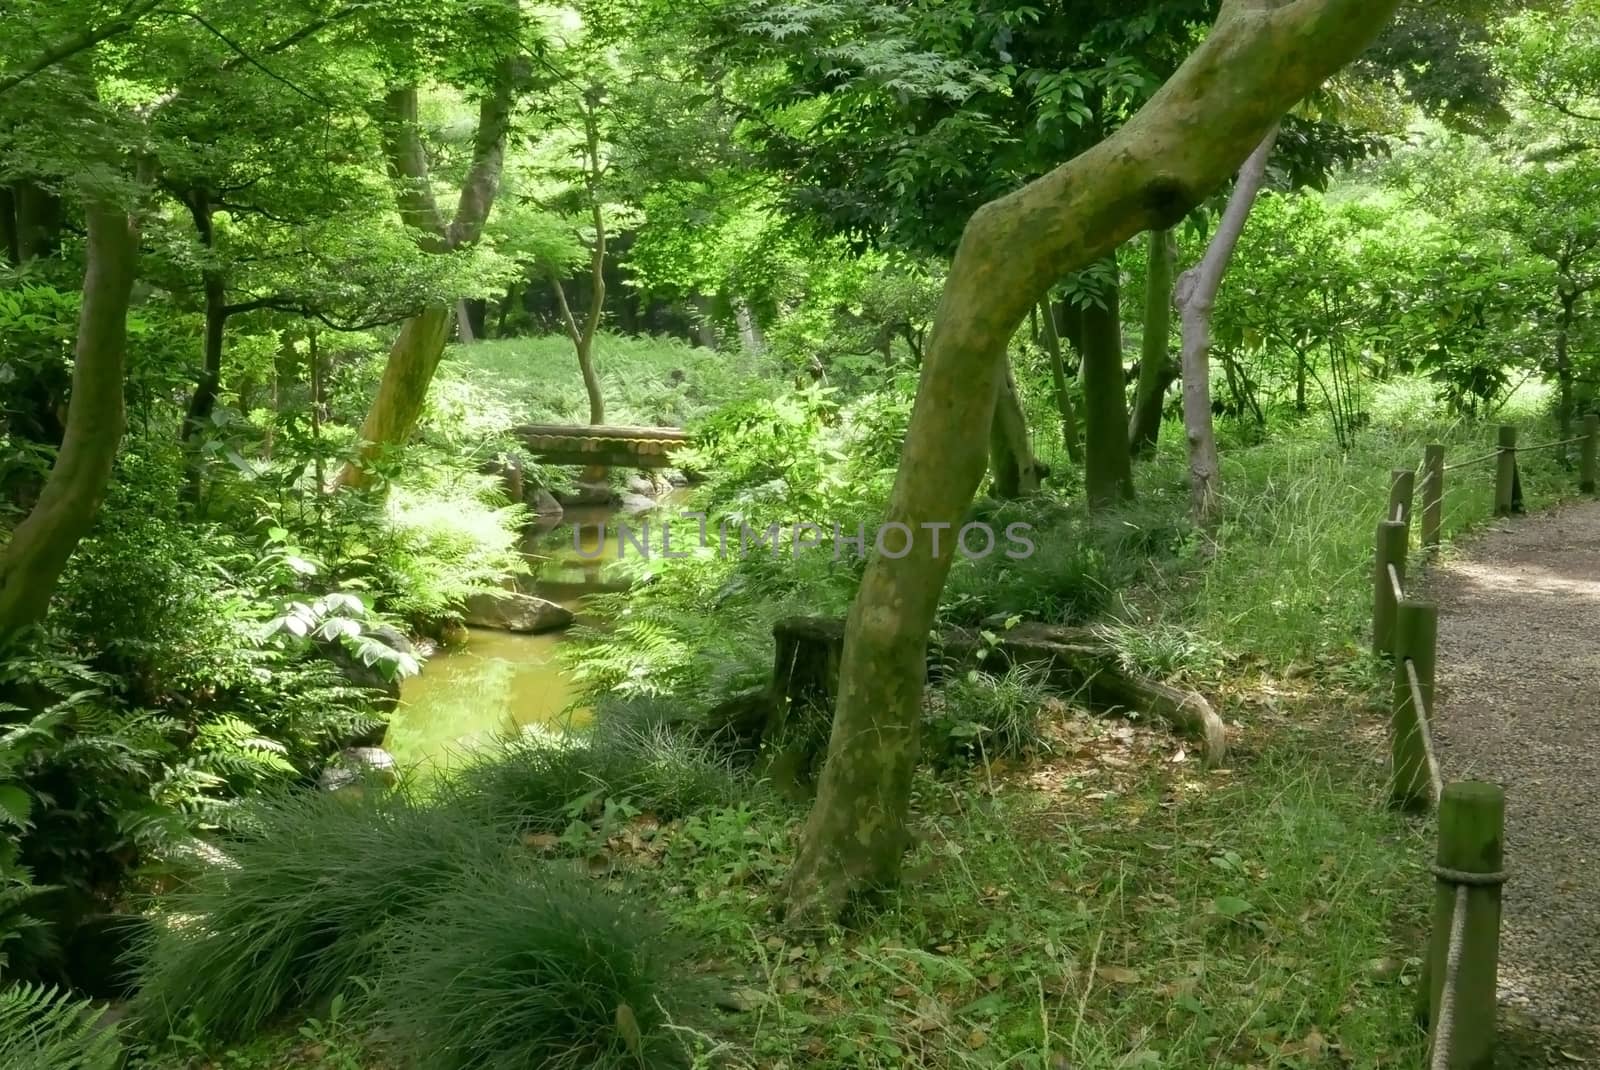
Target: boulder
545	508
385	690
641	486
355	765
510	611
587	493
635	504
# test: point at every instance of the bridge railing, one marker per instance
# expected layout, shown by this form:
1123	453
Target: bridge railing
1457	993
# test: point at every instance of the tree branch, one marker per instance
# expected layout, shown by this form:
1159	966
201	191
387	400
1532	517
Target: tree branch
79	42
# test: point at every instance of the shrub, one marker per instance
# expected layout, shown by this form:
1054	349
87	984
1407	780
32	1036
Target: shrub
521	966
546	783
990	716
290	912
43	1029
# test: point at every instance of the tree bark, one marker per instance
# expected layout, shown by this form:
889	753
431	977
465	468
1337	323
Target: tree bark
583	343
1569	302
1257	61
1196	298
38	215
1014	470
1156	367
1058	372
32	562
10	240
203	402
418	348
1107	467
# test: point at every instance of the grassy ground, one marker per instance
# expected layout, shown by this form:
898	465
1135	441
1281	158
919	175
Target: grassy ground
1108	904
489	386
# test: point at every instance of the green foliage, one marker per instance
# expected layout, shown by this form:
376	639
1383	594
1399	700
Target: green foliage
44	1029
298	905
981	715
636	758
518	966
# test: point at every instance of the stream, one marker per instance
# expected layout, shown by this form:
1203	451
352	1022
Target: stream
499	682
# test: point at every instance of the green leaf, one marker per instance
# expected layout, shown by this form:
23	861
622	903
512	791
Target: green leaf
1231	906
16	805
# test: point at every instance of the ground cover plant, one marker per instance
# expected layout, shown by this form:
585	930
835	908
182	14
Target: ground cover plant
1173	289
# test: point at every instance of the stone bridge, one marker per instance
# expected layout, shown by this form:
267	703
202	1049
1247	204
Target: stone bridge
602	445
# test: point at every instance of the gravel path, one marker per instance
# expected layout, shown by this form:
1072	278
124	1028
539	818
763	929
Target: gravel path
1519	704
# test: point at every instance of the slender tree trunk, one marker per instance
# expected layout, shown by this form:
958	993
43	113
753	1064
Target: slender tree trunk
1300	382
1255	63
750	333
583	334
10	240
1156	367
1196	297
38	221
417	350
464	332
1569	302
32	561
513	294
1107	467
1013	469
1058	372
208	386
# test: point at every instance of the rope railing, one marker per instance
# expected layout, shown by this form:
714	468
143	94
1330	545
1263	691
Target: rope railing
1473	461
1457	992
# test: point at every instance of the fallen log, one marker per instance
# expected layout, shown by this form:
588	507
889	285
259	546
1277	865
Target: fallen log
1080	661
806	672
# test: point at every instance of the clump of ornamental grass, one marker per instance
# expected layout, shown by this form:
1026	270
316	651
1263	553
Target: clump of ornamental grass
542	782
292	912
985	715
527	966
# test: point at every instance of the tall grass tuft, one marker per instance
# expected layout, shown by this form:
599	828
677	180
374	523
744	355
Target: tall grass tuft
293	911
527	967
541	782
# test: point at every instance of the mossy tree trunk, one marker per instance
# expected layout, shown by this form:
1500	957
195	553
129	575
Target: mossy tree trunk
1157	369
33	559
1259	59
1196	298
1107	468
1014	470
417	349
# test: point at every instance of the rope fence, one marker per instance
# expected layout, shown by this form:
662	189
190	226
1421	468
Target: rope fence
1457	992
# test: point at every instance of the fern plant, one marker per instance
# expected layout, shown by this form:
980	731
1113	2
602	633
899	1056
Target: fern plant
42	1028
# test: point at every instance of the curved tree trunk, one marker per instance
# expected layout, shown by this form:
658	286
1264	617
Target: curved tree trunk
40	545
1013	468
1058	372
417	350
1196	297
1107	468
1256	62
1156	367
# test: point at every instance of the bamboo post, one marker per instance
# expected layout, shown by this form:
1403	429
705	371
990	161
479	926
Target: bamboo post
1471	831
1591	447
1391	550
1432	494
1505	475
1402	489
1416	637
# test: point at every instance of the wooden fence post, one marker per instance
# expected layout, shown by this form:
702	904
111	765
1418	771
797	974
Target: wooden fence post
1432	494
1416	637
1591	448
1402	489
1392	543
1505	474
1472	818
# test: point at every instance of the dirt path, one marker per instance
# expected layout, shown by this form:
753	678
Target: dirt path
1519	676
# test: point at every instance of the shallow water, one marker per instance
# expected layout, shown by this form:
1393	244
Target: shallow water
501	681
